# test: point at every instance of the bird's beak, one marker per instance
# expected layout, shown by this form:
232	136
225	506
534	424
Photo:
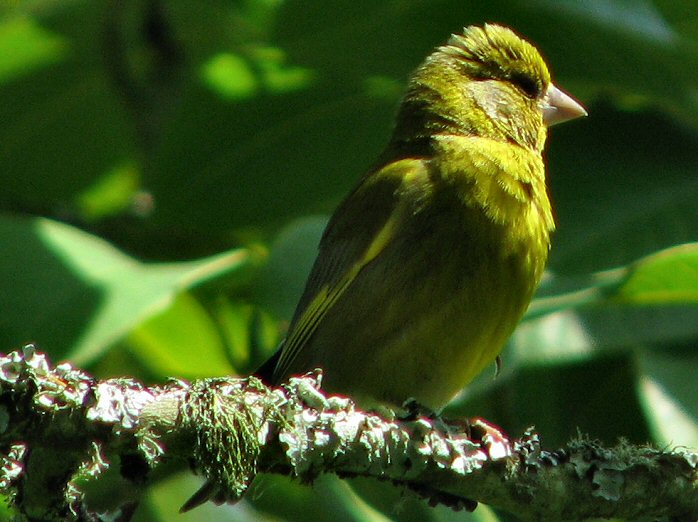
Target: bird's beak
558	107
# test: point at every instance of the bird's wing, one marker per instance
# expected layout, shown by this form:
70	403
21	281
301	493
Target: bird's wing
359	230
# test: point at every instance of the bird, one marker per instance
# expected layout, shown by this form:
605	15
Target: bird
427	266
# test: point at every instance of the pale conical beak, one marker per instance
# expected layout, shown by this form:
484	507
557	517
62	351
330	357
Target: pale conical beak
558	107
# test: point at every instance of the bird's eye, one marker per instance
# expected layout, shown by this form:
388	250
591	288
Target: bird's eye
527	84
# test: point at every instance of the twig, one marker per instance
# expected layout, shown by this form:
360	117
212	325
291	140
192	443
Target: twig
60	427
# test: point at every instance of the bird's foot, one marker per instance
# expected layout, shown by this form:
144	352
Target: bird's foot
412	410
491	437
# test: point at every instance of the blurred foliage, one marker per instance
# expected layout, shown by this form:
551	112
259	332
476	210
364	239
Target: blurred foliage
167	168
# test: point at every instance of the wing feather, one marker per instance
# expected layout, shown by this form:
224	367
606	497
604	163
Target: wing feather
358	232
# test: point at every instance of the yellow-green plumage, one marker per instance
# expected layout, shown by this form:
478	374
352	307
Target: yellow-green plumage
428	265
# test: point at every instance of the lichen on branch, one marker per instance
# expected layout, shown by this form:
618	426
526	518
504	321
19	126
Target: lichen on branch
62	426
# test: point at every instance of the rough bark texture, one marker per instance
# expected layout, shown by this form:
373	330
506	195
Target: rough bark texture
60	426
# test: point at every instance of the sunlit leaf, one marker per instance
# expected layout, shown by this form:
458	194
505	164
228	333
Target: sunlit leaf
75	294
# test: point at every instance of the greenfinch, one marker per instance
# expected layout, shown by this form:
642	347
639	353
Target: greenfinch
425	269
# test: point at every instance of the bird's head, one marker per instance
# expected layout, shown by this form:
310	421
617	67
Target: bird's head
485	82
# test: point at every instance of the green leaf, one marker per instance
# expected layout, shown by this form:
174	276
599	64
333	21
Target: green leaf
282	280
181	341
25	47
166	496
667	394
75	295
62	125
667	277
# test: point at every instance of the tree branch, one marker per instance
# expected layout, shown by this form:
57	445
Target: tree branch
59	427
